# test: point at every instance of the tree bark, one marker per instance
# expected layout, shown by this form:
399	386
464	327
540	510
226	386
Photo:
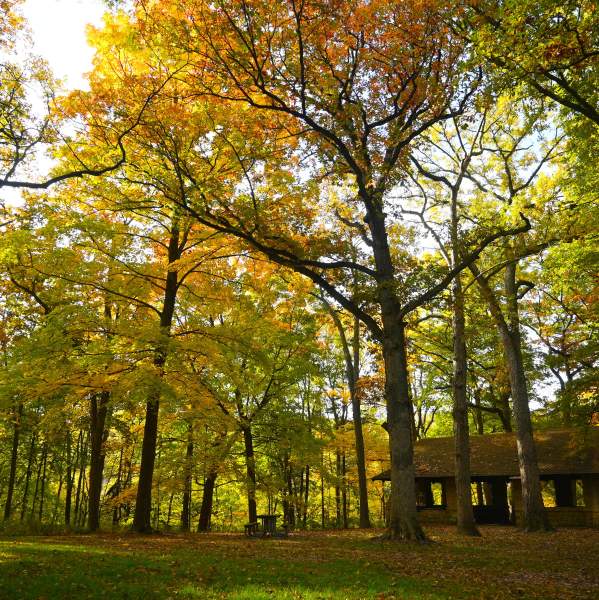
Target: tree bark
80	480
43	482
98	434
143	501
352	369
535	516
403	520
306	497
250	465
207	501
186	509
18	415
28	474
69	482
465	514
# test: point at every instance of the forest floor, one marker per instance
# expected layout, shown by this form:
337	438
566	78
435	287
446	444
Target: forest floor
503	563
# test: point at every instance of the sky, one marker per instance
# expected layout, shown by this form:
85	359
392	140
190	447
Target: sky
58	34
58	31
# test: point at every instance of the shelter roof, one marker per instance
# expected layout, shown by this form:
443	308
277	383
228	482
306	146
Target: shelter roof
559	452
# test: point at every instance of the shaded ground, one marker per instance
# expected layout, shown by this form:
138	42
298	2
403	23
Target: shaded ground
504	563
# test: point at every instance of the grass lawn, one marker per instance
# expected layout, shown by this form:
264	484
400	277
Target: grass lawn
504	563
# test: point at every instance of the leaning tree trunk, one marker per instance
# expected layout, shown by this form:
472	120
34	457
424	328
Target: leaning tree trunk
18	415
143	500
98	411
535	516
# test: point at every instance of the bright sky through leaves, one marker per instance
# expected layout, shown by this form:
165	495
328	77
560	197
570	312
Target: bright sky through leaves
58	31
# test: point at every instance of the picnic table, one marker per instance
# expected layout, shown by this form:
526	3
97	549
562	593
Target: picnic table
269	524
267	528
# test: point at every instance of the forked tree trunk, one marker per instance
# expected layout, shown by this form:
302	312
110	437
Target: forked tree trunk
98	434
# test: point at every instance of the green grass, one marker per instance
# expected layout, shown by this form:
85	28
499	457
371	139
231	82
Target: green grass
333	565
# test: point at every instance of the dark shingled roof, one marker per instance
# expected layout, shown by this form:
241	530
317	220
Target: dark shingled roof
559	452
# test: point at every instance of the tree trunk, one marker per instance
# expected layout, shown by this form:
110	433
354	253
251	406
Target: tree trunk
28	474
352	369
18	415
403	520
344	491
186	510
250	464
143	501
358	433
69	482
535	516
98	434
43	483
338	489
322	511
504	412
37	481
465	514
80	480
360	461
116	509
207	500
306	497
